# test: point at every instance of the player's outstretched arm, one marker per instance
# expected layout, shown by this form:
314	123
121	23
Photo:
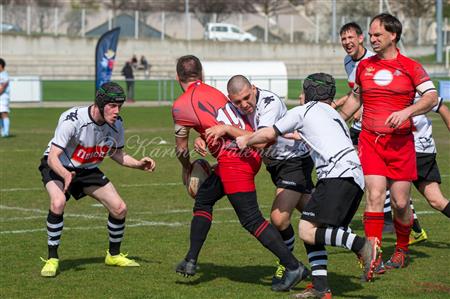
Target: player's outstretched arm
351	105
341	101
445	115
264	135
214	133
121	157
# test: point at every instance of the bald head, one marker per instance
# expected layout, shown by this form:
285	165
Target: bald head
242	94
237	83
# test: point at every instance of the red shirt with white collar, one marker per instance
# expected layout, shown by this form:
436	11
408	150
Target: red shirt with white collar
387	86
202	106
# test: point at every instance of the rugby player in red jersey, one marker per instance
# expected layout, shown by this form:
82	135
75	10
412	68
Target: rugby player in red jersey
387	83
201	107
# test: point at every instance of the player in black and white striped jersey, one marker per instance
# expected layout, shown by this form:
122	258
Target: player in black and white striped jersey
340	179
288	161
429	177
83	138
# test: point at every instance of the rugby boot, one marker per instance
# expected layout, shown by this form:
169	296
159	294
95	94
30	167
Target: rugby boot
291	278
379	266
186	268
276	278
416	238
399	259
50	268
120	260
311	292
368	256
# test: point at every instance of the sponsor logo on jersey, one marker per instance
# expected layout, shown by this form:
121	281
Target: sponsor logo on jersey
369	71
94	154
383	77
289	183
397	73
72	116
268	100
309	213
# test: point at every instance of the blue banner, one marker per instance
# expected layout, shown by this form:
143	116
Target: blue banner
105	54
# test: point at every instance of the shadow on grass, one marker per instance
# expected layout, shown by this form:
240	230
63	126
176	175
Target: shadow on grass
247	274
79	264
340	284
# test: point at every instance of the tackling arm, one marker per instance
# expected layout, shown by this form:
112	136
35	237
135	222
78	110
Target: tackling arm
213	133
262	136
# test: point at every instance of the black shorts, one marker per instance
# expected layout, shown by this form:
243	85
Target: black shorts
209	192
334	202
354	135
293	174
427	169
83	178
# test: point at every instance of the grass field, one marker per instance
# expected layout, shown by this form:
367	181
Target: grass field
152	90
232	263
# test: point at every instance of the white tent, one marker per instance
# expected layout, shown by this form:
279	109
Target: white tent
270	75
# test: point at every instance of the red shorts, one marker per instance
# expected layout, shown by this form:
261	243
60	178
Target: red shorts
237	172
390	155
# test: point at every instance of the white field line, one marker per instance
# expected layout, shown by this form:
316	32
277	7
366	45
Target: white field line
180	211
120	185
138	224
13	219
43	212
86	216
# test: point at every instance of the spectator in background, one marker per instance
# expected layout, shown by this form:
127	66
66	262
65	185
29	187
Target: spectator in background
127	72
4	99
144	65
134	61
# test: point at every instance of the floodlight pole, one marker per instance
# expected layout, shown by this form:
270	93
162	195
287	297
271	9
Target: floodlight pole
439	44
333	30
188	21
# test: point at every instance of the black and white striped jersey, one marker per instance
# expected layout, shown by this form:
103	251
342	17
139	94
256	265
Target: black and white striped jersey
84	142
269	109
326	133
423	131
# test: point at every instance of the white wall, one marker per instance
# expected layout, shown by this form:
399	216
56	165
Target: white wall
270	75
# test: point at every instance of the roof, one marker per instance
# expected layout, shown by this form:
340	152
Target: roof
126	24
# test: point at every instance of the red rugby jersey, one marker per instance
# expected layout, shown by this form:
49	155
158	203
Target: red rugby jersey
201	107
387	86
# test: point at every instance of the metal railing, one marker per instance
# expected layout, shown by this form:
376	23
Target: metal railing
286	28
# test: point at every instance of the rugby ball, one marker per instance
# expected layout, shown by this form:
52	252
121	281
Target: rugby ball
199	172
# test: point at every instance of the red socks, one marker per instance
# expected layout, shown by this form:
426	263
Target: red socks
373	224
402	231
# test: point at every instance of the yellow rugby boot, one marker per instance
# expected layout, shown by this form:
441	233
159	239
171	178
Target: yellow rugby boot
119	260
